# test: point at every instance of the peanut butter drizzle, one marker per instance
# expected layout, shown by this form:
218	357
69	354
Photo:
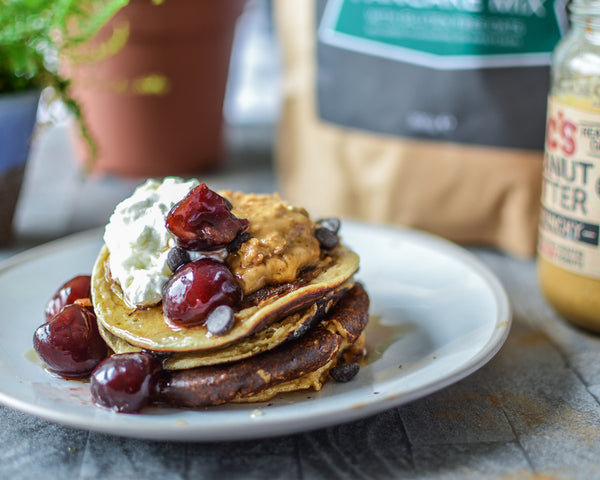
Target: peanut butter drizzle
282	243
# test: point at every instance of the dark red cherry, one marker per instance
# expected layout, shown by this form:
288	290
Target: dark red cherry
203	221
196	289
125	382
75	288
70	344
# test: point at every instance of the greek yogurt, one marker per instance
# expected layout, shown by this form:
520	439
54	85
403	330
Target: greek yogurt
139	242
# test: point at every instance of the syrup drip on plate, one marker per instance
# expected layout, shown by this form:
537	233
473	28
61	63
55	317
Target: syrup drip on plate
380	335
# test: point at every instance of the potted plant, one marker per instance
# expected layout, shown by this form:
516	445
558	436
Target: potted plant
32	32
153	100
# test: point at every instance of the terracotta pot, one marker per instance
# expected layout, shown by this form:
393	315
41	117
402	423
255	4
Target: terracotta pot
155	107
17	122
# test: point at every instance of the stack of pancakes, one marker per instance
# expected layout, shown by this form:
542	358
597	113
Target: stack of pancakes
286	336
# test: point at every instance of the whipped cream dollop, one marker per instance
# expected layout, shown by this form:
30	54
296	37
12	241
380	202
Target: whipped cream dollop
139	242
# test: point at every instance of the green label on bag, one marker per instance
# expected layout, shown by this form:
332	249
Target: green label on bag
447	33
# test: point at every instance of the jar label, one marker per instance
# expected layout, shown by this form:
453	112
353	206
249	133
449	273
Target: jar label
570	216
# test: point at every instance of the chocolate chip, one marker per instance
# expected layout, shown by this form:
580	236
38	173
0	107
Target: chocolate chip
301	330
327	238
344	372
177	257
237	242
220	320
330	223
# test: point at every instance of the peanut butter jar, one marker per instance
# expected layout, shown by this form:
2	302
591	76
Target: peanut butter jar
568	246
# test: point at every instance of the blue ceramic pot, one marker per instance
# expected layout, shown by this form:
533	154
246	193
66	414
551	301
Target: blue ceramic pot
17	121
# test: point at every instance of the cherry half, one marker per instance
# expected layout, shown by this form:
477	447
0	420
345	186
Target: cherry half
203	221
76	288
70	344
196	289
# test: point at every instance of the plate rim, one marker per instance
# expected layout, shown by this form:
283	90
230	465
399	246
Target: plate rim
268	426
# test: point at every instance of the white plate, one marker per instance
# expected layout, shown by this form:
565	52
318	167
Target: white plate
437	315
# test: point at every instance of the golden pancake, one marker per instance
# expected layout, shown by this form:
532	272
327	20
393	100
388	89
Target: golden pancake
147	328
293	326
298	364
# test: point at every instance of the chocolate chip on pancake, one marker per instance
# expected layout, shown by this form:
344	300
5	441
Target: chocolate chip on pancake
345	372
220	320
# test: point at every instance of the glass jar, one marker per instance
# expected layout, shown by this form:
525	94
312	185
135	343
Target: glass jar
568	248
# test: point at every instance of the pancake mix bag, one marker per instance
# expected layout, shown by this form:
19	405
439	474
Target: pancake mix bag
424	113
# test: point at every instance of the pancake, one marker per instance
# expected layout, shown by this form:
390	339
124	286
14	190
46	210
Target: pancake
146	327
295	365
291	327
301	312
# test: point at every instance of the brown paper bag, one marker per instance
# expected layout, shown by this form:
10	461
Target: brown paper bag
471	193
